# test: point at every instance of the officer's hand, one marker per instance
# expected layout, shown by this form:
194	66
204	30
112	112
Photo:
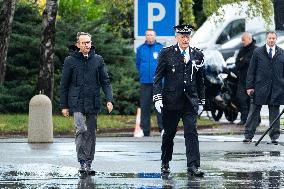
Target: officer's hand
65	112
200	109
201	103
159	105
109	107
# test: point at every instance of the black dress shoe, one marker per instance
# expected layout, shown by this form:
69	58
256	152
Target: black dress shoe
247	140
275	142
241	122
194	171
165	168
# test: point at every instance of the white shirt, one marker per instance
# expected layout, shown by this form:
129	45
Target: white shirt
186	55
273	49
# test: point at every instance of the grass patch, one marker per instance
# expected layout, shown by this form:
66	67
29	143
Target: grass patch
18	123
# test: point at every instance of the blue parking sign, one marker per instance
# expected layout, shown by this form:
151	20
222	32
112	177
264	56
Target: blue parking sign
160	15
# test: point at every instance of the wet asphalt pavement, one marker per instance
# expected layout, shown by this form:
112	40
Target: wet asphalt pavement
129	162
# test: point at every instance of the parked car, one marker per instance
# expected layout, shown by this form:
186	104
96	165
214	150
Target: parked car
217	30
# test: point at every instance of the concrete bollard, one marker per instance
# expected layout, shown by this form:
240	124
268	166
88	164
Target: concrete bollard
40	128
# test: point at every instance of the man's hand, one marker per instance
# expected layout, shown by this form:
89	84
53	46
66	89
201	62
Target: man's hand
200	109
201	102
250	92
65	112
109	107
159	105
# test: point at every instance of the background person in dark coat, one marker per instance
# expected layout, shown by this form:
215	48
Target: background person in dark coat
242	64
265	81
146	64
181	68
84	74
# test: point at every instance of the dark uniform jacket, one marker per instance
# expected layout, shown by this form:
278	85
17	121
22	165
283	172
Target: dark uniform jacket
179	79
266	77
243	60
81	81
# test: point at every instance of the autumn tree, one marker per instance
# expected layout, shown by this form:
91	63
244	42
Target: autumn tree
46	68
6	20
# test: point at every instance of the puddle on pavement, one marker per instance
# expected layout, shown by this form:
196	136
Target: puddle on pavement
234	155
67	177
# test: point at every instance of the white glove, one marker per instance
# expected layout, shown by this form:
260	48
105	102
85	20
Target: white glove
159	105
200	109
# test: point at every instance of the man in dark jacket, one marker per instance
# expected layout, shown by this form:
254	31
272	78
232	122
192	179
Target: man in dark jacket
146	64
84	74
265	82
181	68
242	64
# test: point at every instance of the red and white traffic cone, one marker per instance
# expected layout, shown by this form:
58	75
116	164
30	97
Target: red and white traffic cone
138	132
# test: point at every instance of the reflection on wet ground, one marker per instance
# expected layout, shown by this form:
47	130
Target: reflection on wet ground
132	164
67	177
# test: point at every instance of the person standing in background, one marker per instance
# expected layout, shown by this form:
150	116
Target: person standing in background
146	64
242	64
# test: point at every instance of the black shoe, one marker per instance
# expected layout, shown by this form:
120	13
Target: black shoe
275	142
89	170
82	168
165	168
147	133
247	140
194	171
241	122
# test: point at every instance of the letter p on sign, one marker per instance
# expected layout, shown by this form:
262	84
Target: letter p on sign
151	13
159	15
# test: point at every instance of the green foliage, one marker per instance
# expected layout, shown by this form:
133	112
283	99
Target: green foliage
186	12
22	59
262	8
119	17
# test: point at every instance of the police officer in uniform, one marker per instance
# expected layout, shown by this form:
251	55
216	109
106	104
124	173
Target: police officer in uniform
180	67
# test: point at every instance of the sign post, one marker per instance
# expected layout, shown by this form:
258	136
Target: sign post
159	15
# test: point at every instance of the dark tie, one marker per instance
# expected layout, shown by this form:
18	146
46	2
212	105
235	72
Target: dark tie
183	55
270	53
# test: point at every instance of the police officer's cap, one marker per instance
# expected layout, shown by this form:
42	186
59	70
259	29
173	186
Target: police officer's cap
183	29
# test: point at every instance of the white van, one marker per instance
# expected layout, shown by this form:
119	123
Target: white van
217	30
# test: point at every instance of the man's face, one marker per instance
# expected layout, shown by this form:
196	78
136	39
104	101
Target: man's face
150	37
271	39
246	40
84	44
183	40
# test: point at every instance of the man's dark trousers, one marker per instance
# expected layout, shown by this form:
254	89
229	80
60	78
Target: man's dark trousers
253	121
170	122
146	100
244	101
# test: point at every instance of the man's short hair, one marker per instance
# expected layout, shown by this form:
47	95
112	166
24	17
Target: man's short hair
82	33
271	32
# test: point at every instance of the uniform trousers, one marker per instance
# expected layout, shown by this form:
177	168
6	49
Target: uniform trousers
254	117
85	138
171	119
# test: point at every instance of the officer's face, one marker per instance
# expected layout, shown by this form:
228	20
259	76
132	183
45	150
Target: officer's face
84	44
183	40
150	37
271	39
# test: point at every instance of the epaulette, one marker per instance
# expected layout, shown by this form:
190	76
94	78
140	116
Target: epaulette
195	48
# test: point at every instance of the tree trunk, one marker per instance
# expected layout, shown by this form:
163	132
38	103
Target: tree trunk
279	14
46	69
6	20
